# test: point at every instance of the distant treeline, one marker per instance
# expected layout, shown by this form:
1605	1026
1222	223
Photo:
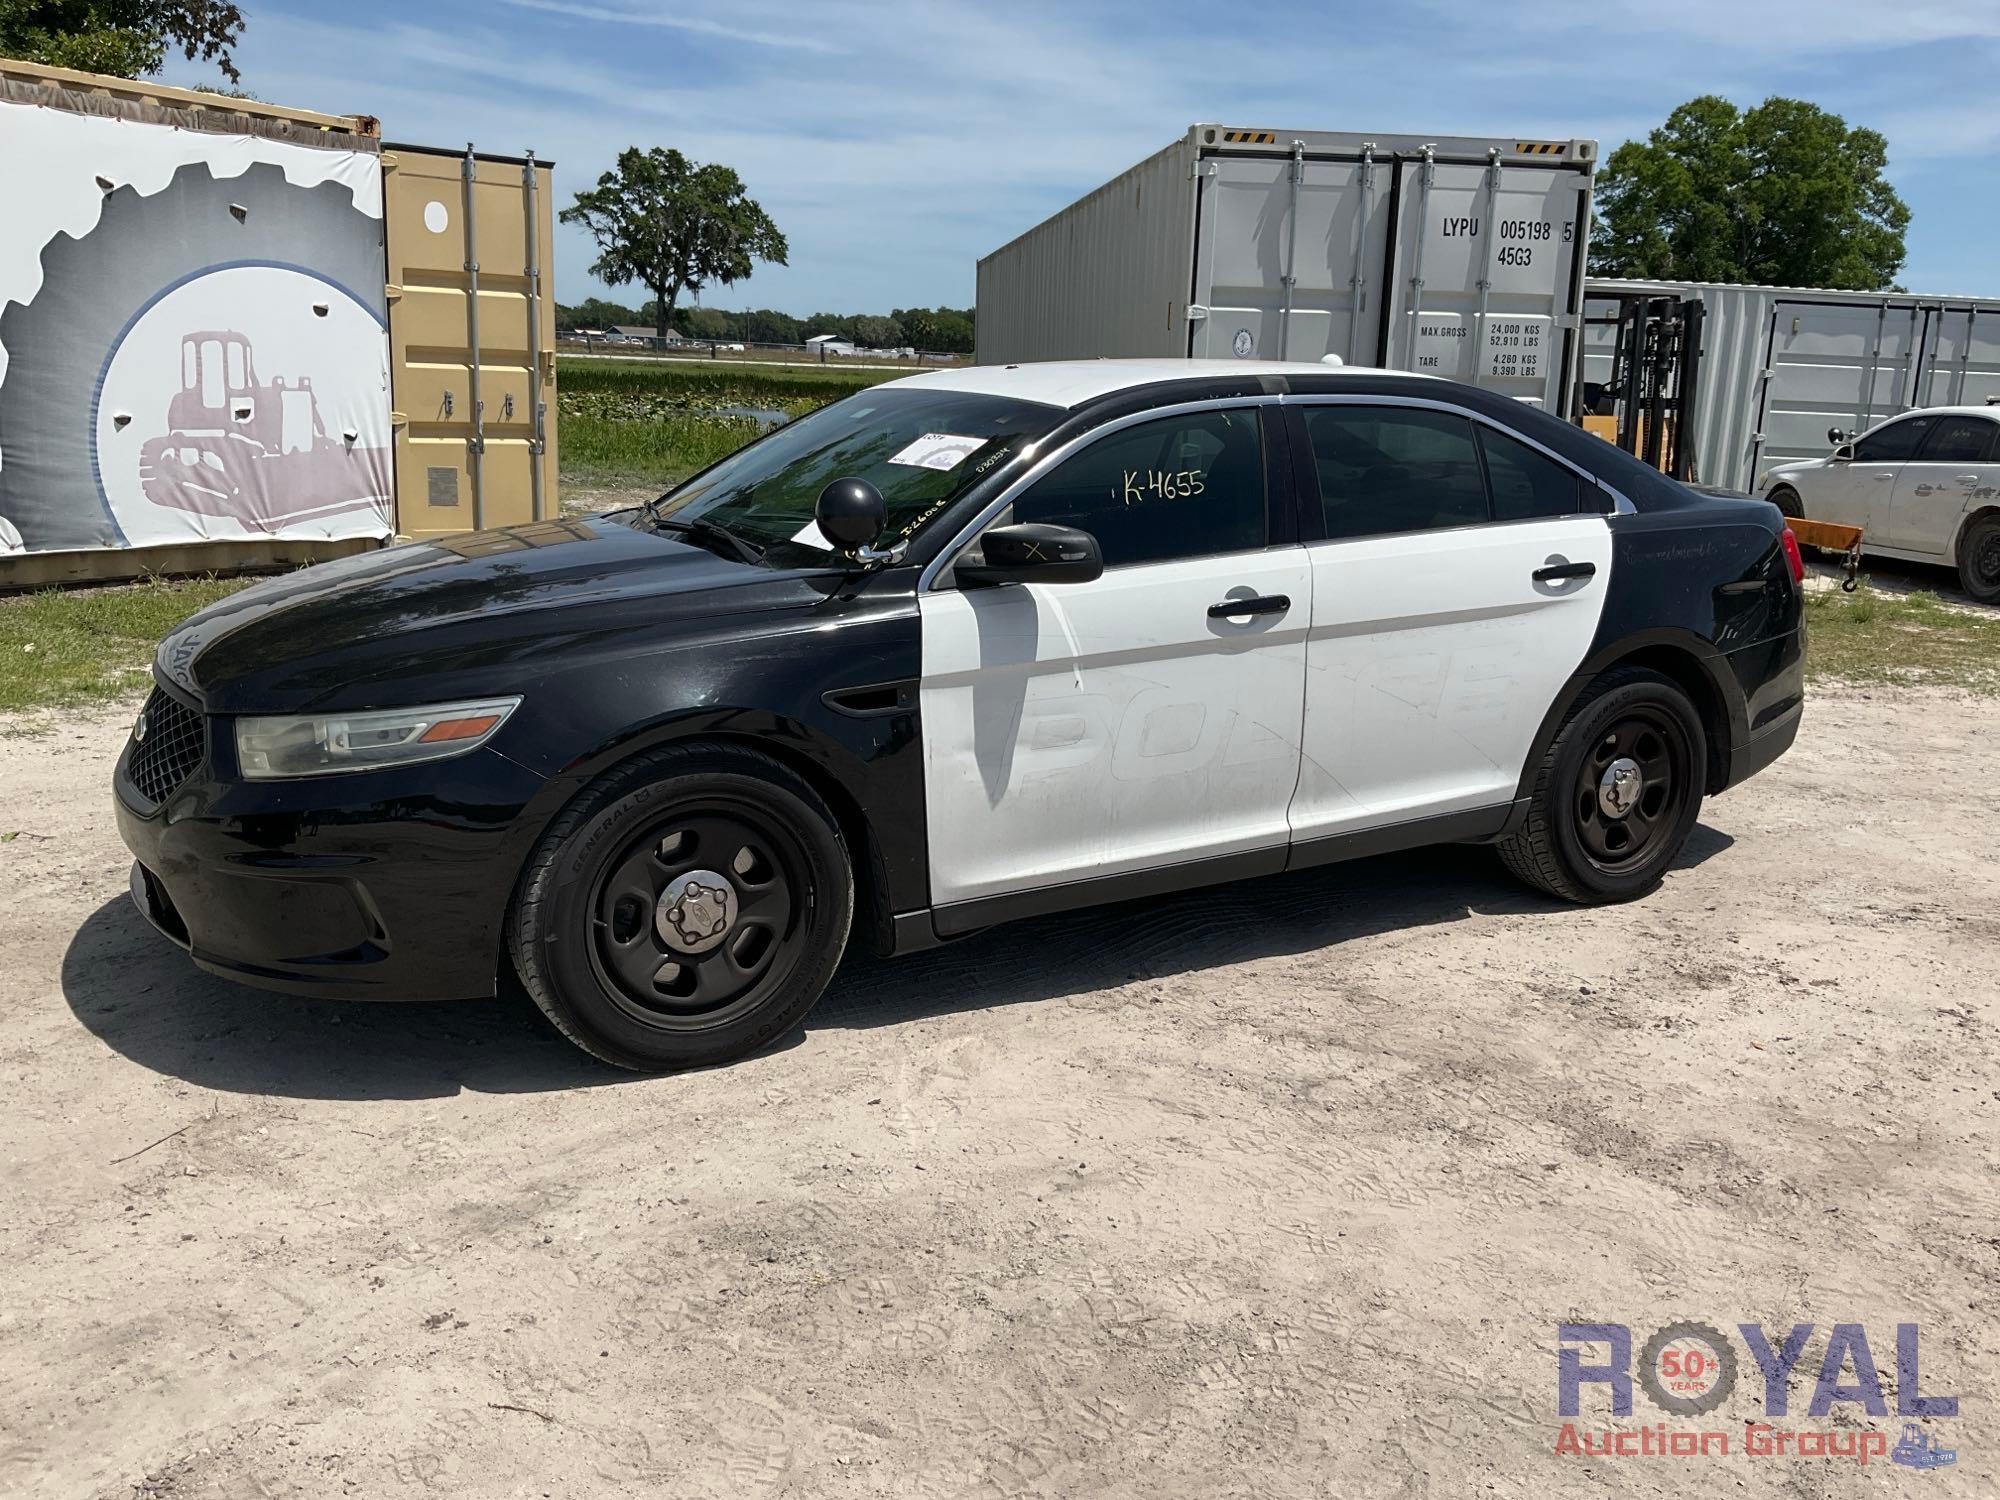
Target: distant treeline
934	330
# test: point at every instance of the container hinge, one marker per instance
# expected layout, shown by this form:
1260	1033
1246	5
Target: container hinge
1196	312
392	290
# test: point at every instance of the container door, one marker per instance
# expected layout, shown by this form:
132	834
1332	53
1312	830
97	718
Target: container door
1328	235
1834	364
1964	364
1519	229
473	372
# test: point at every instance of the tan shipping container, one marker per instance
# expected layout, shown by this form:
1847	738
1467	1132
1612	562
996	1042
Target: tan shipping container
471	338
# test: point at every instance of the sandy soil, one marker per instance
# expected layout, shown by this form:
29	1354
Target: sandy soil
1267	1191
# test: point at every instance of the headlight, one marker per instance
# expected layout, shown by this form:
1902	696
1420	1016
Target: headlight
322	745
1763	483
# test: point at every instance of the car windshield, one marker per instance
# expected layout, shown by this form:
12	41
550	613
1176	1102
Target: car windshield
920	448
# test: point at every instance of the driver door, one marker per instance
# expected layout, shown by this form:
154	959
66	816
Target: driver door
1075	731
1859	492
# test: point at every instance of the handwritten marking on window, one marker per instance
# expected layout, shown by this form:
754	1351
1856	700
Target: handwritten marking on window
1141	485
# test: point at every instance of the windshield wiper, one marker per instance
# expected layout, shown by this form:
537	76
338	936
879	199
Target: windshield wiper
712	535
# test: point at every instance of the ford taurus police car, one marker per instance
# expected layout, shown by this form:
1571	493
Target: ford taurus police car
957	649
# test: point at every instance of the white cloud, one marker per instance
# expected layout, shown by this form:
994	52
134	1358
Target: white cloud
897	140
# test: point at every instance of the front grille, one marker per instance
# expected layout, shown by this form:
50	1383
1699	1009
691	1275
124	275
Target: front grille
169	750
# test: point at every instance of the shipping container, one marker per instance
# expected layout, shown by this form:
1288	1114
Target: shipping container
1447	255
1771	369
472	337
238	335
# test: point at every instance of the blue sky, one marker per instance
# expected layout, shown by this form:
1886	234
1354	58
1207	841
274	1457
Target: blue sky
897	141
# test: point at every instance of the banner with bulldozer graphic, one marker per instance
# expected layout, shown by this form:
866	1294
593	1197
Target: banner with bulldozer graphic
193	327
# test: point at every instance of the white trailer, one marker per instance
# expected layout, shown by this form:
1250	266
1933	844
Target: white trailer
1447	255
1775	368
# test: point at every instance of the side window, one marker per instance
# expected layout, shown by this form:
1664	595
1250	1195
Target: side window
1391	468
1526	482
1894	443
1958	440
1186	486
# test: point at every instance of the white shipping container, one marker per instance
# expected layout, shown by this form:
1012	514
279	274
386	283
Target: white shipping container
1779	366
1445	255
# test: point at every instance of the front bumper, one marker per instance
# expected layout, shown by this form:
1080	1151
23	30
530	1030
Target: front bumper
388	884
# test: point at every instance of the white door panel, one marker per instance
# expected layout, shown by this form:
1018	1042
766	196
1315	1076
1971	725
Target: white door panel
1076	730
1853	494
1931	500
1433	658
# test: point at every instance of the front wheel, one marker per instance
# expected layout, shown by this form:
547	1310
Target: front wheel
1979	560
1616	793
686	909
1787	500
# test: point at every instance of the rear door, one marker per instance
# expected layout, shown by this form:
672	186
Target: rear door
1457	585
1073	731
1951	469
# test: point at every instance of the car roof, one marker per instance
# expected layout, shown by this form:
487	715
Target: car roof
1991	413
1072	382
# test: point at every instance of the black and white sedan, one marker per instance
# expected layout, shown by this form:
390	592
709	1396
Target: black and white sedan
957	649
1924	487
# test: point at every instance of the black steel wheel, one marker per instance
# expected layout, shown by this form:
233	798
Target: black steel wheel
686	909
1631	788
1787	500
1616	793
1979	559
696	912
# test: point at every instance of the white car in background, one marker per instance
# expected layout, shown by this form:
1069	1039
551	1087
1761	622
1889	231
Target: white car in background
1923	486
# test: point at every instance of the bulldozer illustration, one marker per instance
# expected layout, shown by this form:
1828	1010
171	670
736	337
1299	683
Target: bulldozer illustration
254	452
1918	1449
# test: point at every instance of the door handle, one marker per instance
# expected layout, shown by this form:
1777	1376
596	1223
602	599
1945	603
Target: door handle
1884	478
1565	570
1263	604
1965	479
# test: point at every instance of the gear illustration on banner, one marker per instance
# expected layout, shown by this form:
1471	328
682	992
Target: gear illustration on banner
132	406
1718	1345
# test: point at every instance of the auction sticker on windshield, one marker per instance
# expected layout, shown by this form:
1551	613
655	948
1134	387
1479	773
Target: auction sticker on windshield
938	450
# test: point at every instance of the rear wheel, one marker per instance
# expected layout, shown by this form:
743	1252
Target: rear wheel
688	908
1787	500
1979	560
1617	792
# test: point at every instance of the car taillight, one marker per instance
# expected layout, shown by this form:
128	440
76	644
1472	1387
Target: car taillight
1792	556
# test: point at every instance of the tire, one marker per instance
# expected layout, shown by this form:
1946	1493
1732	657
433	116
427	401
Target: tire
94	287
1787	500
1573	844
686	909
1979	560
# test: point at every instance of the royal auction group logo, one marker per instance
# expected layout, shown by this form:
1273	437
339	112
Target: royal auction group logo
1690	1369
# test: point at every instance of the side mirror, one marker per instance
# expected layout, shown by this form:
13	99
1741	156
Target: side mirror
850	513
1844	454
1034	552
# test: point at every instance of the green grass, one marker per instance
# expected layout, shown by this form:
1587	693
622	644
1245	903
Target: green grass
1904	639
656	423
62	647
714	383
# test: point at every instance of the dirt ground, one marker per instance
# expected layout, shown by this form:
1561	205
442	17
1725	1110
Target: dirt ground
1274	1190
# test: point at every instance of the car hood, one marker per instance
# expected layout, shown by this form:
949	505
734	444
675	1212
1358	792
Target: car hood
474	612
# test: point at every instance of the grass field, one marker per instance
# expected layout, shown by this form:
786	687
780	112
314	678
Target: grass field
1908	639
60	648
625	423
